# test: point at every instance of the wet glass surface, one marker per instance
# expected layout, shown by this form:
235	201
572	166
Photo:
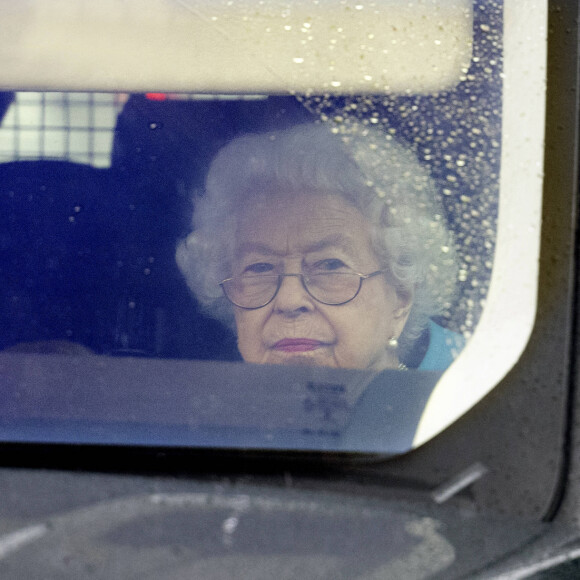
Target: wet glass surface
87	253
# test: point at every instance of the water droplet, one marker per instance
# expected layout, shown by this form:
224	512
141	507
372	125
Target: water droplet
230	524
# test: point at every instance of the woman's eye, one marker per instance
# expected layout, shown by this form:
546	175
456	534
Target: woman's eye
329	265
259	268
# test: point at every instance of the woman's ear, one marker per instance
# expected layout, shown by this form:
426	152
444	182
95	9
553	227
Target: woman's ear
403	309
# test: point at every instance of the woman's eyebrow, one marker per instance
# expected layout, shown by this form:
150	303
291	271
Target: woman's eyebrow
254	248
339	241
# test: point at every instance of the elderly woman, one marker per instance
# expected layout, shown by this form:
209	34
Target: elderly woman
322	248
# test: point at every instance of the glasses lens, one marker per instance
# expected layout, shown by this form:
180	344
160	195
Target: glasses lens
333	287
251	291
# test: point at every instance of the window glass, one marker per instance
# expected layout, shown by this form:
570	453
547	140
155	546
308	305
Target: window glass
290	269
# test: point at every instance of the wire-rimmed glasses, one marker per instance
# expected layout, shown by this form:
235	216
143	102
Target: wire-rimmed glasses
258	290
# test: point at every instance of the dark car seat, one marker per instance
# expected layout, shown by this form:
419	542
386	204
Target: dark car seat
87	257
60	246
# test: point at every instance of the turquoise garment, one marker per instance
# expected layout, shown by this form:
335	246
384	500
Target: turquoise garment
444	346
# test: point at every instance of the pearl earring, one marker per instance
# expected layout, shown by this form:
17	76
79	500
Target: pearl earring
393	342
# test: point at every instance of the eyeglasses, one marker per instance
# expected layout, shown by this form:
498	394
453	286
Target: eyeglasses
258	290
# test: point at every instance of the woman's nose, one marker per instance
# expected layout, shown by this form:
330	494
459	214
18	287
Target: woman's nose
292	298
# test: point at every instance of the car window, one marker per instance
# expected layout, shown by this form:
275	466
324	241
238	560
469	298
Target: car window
284	259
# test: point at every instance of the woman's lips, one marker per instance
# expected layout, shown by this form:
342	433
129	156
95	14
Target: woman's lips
297	344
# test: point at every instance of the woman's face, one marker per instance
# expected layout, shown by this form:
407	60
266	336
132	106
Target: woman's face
295	233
